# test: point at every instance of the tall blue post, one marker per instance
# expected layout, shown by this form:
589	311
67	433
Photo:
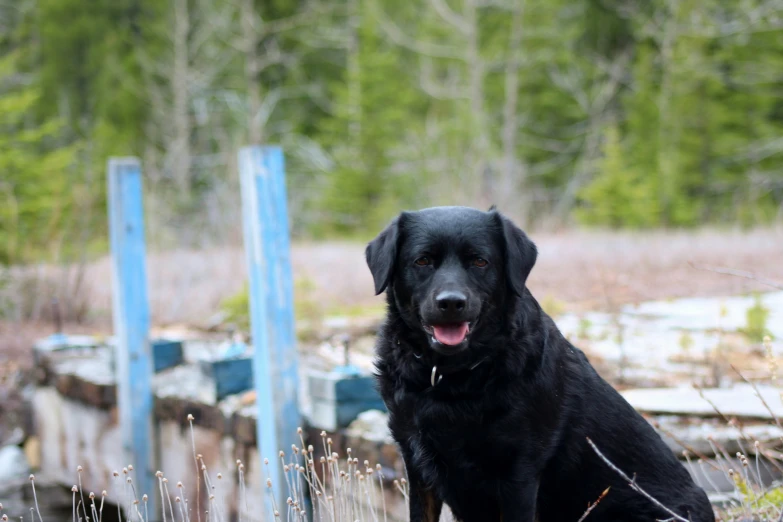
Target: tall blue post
267	246
131	319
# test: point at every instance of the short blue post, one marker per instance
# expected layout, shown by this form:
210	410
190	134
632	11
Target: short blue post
131	319
267	246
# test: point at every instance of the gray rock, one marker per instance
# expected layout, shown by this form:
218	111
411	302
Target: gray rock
13	464
371	425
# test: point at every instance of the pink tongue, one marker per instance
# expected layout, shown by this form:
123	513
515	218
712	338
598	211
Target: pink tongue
451	334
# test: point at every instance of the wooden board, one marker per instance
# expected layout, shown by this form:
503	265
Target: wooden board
739	401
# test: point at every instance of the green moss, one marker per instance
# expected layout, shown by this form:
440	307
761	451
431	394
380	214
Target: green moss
552	306
306	307
686	342
236	308
756	320
583	331
356	310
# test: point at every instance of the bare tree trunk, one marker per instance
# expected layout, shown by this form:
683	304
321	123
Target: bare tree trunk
513	173
597	109
181	154
584	168
249	44
476	74
354	71
666	148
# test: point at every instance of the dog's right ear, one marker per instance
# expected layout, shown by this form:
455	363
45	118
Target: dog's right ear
381	254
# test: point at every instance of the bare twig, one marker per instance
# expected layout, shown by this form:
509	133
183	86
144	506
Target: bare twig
592	506
758	394
731	422
682	443
632	483
398	36
454	19
714	406
738	273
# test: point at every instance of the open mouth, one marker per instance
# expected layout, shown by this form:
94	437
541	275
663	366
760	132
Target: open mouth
449	334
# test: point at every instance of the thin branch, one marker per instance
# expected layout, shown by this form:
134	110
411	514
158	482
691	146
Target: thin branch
712	404
568	82
497	4
615	76
436	89
309	13
592	506
633	484
397	36
738	273
263	29
683	444
448	14
273	56
758	394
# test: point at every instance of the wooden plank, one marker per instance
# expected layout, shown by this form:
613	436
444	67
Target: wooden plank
702	436
131	318
738	401
265	227
281	296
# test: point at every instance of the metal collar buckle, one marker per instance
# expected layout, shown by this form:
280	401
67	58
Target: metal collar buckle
434	374
435	378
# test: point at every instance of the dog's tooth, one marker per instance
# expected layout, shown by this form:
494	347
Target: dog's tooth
434	340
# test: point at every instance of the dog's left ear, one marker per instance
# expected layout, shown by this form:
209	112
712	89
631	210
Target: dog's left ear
521	254
381	254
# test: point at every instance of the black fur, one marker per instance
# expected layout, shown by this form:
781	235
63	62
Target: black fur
505	440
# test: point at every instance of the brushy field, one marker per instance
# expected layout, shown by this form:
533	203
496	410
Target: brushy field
576	271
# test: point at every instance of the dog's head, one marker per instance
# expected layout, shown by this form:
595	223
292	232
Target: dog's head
450	270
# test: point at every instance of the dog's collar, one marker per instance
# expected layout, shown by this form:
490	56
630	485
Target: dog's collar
436	375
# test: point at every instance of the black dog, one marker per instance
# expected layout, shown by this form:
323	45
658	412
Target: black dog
489	403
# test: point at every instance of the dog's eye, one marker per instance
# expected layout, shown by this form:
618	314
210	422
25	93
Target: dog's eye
423	261
480	262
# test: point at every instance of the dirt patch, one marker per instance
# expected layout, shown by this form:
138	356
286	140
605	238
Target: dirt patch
599	271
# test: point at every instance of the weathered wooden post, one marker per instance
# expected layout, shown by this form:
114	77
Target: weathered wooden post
267	247
131	320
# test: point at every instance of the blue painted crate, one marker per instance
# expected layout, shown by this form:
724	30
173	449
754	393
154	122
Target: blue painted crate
231	376
166	354
339	397
356	388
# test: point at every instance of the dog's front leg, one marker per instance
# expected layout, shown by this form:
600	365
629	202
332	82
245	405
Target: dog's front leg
425	504
518	501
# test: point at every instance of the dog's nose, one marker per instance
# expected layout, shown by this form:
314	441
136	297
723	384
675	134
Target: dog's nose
451	301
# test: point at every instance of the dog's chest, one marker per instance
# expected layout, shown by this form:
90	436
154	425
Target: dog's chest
456	438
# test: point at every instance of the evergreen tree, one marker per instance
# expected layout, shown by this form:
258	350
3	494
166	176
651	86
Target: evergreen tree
36	200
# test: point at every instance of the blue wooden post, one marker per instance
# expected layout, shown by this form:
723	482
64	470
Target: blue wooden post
265	225
131	319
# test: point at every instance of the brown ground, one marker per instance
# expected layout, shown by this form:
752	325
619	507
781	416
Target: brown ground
576	270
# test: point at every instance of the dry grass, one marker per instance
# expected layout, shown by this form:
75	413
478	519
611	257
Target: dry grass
336	488
343	488
576	271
